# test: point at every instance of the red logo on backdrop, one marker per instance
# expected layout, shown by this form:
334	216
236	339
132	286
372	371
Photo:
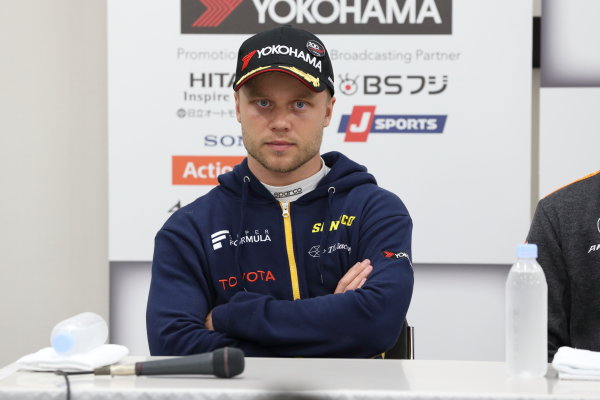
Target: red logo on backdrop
360	123
216	12
201	170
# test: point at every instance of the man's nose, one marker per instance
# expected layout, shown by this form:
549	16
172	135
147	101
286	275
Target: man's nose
280	121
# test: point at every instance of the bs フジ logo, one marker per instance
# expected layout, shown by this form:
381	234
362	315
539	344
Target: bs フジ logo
431	85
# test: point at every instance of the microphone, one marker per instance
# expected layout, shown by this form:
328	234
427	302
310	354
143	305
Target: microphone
224	363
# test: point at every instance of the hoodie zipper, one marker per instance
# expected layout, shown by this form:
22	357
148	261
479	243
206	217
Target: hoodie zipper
289	246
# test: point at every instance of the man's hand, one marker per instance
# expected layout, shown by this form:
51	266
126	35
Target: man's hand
355	277
208	322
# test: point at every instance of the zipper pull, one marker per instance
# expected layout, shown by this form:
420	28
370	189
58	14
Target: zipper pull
286	209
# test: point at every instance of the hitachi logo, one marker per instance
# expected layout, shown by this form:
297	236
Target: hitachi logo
347	11
290	51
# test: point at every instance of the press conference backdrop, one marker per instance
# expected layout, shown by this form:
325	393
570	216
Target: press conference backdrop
445	86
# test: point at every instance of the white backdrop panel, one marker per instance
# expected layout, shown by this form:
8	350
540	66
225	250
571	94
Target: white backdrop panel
569	136
466	184
570	94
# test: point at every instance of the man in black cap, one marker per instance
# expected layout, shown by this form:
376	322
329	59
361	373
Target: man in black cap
294	253
287	69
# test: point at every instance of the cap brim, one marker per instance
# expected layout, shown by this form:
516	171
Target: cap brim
312	82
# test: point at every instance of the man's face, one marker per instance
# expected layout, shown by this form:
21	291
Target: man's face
282	126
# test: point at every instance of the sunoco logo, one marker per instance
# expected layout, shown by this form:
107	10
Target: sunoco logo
414	17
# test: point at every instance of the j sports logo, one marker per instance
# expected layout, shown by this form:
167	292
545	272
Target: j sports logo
372	17
363	121
201	170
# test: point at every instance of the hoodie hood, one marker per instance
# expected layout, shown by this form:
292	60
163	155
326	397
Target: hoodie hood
345	174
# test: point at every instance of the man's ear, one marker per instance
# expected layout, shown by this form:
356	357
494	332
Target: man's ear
328	112
236	96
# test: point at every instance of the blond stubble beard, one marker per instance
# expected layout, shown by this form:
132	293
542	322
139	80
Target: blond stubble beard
302	158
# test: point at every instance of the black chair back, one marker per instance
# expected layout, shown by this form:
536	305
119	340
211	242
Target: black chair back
404	349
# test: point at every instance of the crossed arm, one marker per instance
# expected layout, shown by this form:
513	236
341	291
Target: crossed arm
354	279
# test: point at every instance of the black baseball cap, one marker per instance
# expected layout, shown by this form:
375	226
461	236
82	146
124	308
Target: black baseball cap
285	49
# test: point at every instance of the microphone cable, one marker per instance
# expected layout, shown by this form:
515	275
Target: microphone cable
66	374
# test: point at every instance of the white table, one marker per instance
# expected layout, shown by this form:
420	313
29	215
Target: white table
305	379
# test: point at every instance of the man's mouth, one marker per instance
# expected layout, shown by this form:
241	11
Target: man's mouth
279	145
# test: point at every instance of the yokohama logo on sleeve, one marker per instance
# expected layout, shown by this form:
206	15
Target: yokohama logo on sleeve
397	256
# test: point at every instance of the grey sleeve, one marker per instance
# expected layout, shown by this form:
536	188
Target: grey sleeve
545	233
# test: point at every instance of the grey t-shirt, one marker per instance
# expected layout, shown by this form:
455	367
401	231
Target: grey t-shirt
566	229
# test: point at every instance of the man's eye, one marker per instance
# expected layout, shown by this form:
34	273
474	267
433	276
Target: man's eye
300	104
263	103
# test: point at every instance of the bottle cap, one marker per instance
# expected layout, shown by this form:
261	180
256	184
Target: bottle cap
62	342
527	250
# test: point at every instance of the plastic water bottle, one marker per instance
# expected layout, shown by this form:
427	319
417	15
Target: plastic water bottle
79	334
526	316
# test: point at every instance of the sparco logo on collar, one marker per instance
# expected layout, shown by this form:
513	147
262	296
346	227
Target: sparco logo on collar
394	17
287	193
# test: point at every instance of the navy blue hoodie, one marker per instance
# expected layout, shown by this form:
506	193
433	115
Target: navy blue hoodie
268	270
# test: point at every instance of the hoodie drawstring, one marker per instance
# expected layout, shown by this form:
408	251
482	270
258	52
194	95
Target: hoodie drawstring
328	219
244	203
